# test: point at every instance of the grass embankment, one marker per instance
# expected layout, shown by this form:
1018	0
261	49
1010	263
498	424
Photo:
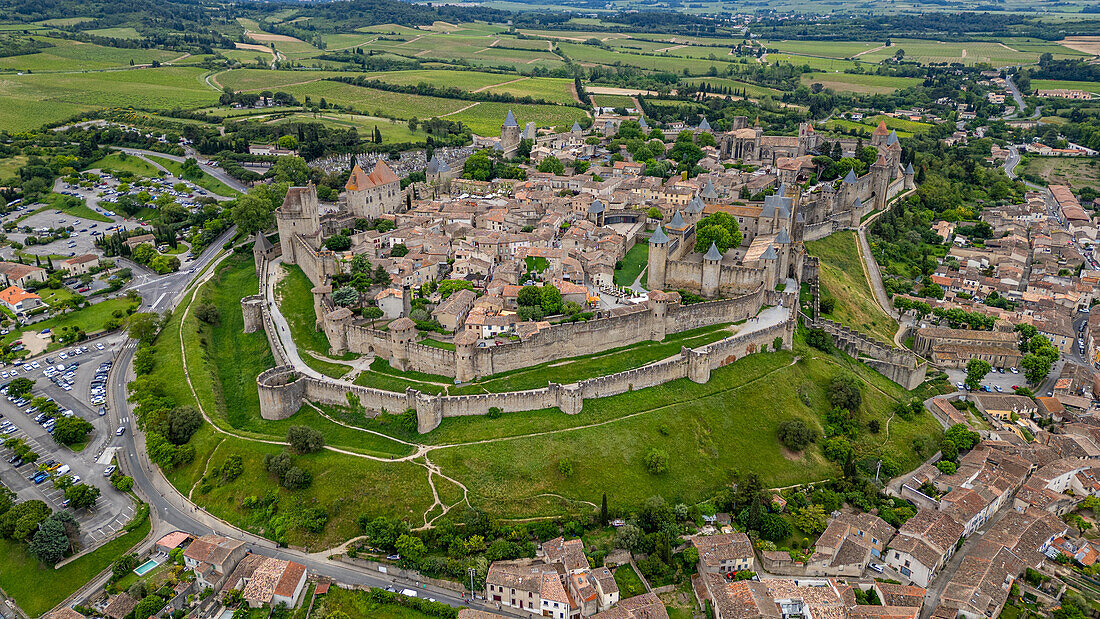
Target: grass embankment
355	605
206	181
295	299
23	577
634	262
629	582
843	282
223	363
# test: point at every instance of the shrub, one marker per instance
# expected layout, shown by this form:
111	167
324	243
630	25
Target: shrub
796	435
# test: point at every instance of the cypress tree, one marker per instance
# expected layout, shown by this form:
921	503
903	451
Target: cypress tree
603	510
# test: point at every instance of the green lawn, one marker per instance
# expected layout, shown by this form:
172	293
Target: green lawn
629	582
634	262
296	304
9	166
126	163
860	83
22	576
206	181
90	319
843	281
58	202
575	369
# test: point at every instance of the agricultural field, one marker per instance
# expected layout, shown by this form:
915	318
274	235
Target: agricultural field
68	55
10	165
591	55
1093	87
752	90
623	101
371	101
860	83
37	98
828	49
964	52
1077	172
843	281
557	90
116	33
815	63
393	131
485	118
255	80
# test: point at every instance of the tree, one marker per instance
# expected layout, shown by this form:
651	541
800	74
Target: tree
338	242
304	439
796	435
976	369
399	250
1036	367
50	543
844	392
71	430
82	495
21	521
656	461
811	519
252	213
372	314
946	467
144	327
774	528
603	510
410	547
297	478
478	166
711	228
292	170
20	387
148	606
962	436
550	299
448	287
345	296
820	339
183	422
528	296
288	142
551	164
838	449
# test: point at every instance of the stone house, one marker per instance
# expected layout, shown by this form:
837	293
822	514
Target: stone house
267	581
213	557
80	264
724	554
22	275
1004	406
452	312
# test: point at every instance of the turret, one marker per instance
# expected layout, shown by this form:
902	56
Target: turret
658	259
909	183
465	349
402	333
783	249
712	271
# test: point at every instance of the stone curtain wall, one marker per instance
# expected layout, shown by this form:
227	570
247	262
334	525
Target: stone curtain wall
901	366
283	390
557	342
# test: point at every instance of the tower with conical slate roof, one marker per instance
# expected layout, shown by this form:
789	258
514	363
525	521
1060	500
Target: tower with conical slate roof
510	135
712	272
658	259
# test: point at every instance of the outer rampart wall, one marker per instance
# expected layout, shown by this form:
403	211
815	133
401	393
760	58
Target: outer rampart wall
283	391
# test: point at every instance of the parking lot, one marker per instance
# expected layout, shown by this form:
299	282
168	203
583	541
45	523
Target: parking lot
72	390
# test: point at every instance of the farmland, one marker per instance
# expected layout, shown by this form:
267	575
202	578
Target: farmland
860	83
77	56
829	49
1092	87
939	52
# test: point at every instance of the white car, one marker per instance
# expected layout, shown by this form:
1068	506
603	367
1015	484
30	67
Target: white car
99	346
63	355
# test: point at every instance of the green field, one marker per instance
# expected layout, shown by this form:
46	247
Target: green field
860	83
9	166
623	101
91	319
57	202
126	163
33	99
393	131
814	62
206	181
122	32
254	80
66	55
22	576
371	101
485	118
1093	87
843	281
964	52
829	49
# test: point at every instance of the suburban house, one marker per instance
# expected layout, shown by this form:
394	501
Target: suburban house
520	584
18	274
212	557
134	241
724	554
20	301
81	265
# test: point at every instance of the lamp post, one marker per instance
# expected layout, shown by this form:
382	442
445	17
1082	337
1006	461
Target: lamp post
471	571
